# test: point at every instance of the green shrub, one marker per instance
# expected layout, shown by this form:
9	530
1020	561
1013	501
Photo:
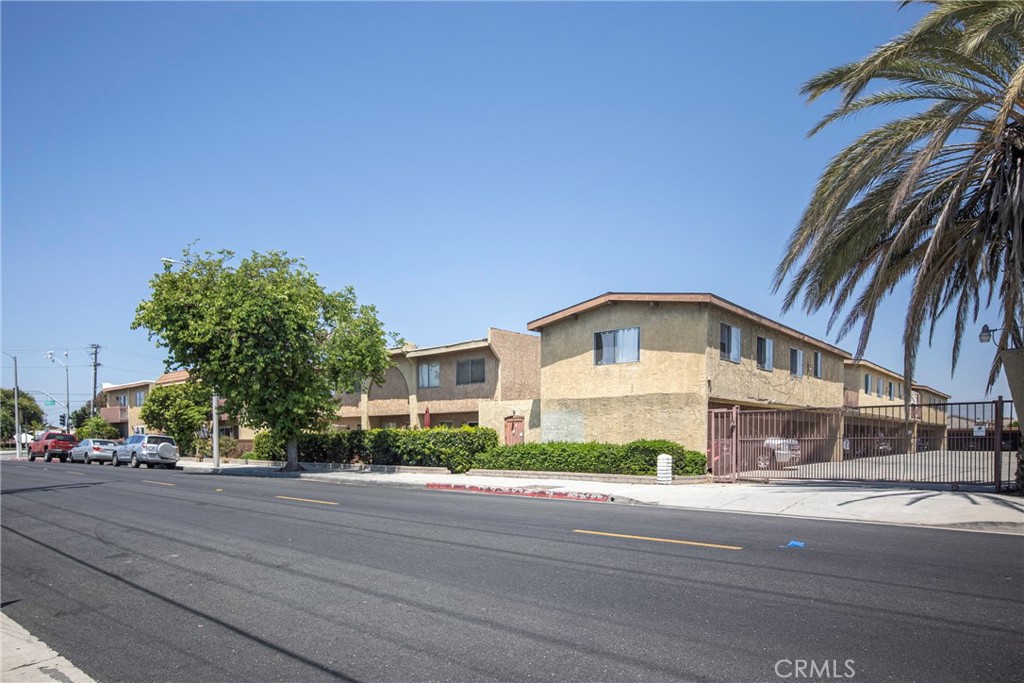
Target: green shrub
637	457
266	446
228	447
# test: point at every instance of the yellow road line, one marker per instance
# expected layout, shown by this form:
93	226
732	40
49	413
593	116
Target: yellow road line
659	540
306	500
158	483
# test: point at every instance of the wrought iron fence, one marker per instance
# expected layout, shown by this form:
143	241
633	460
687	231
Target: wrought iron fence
949	443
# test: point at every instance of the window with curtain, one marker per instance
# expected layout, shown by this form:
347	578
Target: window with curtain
617	346
430	375
730	339
817	364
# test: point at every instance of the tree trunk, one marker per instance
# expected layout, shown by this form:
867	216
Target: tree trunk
292	448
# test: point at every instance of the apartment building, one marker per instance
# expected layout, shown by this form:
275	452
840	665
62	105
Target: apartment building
123	405
625	366
492	382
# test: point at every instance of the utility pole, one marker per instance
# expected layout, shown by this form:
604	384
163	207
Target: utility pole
95	354
17	414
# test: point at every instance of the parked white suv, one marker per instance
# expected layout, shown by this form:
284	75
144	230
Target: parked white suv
149	449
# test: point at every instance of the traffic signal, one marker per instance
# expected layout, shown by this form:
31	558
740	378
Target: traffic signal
63	420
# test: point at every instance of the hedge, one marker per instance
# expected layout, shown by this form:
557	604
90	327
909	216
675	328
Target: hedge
477	447
454	449
637	457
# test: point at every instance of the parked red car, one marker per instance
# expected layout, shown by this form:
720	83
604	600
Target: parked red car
50	445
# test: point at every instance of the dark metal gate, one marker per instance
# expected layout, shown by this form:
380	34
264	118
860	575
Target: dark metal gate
947	443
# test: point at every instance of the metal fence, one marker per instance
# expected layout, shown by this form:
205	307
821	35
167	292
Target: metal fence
949	443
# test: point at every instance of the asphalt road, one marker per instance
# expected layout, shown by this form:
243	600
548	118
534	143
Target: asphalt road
151	575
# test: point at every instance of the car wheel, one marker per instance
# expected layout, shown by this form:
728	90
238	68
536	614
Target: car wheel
46	456
114	461
171	466
134	462
31	458
149	465
88	460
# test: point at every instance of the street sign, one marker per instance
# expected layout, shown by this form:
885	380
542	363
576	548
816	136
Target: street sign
50	403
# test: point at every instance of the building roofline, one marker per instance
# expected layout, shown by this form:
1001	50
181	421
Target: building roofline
931	389
611	298
871	364
127	385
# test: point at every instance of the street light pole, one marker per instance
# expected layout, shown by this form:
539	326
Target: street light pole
67	388
17	413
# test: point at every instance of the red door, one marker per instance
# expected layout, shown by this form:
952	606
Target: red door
514	431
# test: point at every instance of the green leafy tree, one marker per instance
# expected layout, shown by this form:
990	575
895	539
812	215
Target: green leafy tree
30	412
96	428
179	410
935	196
266	337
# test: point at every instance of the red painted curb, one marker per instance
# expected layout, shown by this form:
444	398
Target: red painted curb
531	493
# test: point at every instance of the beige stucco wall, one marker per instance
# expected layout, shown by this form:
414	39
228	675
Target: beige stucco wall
677	417
493	414
746	384
519	364
662	396
672	341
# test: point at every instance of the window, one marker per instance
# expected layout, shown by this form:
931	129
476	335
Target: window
469	371
817	364
140	398
867	383
729	342
878	386
765	353
472	424
122	400
796	362
617	346
892	391
430	375
899	390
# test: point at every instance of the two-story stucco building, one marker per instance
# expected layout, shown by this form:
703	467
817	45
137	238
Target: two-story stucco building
123	405
477	382
625	366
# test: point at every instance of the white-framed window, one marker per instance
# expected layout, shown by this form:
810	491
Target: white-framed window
122	400
817	364
730	340
892	391
796	362
617	346
469	371
765	353
867	382
899	390
430	375
878	387
140	398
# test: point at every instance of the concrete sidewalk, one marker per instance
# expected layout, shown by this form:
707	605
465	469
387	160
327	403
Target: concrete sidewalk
924	505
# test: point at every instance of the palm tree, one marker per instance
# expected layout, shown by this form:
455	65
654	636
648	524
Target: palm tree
936	196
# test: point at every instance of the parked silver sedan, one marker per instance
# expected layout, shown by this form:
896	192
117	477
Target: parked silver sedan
93	450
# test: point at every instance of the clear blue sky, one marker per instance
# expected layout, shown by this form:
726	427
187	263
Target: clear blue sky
462	165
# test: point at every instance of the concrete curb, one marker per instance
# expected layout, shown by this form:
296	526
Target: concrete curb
26	659
523	491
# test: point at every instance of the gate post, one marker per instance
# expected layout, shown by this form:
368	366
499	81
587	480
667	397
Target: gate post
998	446
734	436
